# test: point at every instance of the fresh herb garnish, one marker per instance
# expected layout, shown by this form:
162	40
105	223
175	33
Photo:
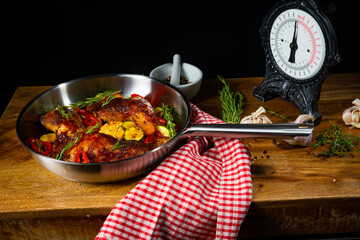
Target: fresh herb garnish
117	145
67	147
338	143
38	145
169	118
72	143
61	110
92	128
283	116
106	96
231	103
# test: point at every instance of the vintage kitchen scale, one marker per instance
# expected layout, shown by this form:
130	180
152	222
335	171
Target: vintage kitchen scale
300	46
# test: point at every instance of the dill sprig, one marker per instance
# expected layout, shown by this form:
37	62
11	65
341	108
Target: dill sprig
231	103
107	96
338	143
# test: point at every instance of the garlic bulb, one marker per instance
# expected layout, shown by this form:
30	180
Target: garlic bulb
256	117
302	141
351	116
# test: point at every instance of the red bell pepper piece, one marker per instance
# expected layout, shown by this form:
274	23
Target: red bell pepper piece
90	120
149	138
136	96
81	157
162	121
82	112
41	147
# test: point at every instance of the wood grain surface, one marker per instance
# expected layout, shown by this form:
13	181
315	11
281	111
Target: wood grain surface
295	192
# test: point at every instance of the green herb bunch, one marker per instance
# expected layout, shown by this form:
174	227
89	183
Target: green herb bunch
167	115
231	103
338	143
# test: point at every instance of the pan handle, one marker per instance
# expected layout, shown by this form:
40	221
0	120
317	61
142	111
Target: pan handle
281	130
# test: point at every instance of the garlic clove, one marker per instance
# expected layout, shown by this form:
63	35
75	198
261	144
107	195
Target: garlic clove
256	117
347	115
265	119
356	102
351	116
304	118
302	141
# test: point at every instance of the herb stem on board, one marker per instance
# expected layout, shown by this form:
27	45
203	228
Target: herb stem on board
282	116
338	143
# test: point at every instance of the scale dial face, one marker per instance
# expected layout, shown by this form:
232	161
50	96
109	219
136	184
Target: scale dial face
297	44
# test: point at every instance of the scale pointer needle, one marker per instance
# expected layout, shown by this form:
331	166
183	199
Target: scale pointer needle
293	45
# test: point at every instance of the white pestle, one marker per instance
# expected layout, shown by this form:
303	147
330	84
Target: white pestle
176	69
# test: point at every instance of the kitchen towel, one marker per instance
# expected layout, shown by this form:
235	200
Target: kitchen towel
201	191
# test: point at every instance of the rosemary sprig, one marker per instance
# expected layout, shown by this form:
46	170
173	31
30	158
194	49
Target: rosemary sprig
72	143
283	116
107	96
117	145
231	103
92	128
338	143
67	147
61	110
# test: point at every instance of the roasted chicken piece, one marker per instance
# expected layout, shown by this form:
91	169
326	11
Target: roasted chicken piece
96	147
118	110
68	122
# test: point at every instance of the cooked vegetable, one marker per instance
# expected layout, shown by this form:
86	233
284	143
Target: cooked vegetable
81	157
128	124
163	130
41	147
90	120
113	129
49	137
133	134
158	111
136	96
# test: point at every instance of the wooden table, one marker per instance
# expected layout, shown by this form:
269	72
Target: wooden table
295	192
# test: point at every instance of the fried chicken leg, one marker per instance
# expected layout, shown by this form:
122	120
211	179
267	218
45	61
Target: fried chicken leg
69	123
100	148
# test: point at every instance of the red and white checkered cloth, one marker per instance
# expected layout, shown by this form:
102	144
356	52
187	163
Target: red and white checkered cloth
202	191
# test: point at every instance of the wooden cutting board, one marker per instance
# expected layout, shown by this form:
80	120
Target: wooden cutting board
294	191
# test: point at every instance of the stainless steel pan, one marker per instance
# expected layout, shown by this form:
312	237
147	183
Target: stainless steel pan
156	92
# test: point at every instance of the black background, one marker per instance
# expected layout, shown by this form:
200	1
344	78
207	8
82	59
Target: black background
56	41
